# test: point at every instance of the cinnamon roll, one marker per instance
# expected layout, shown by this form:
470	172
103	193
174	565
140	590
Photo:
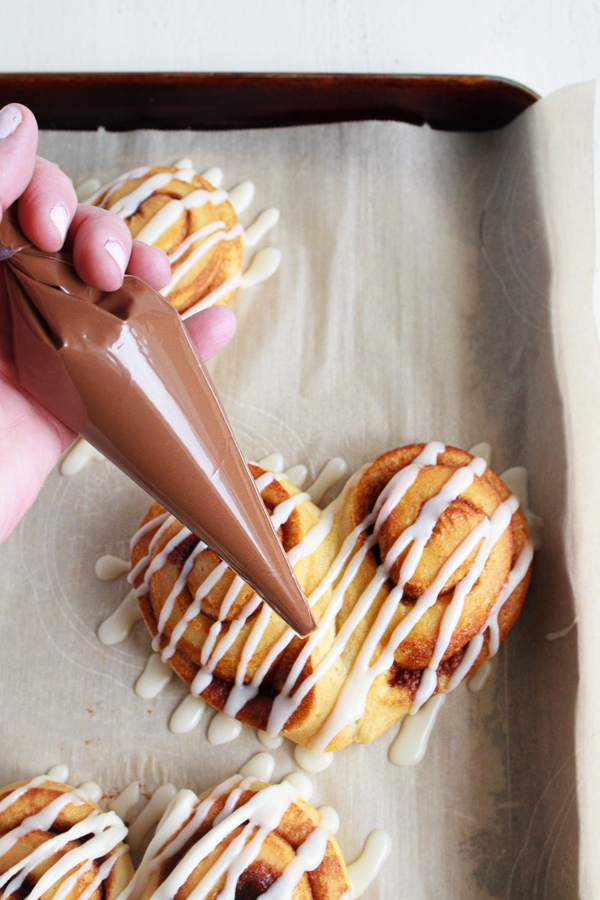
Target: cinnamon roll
243	839
415	574
54	842
178	211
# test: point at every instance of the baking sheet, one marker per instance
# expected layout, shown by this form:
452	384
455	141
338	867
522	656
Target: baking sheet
433	286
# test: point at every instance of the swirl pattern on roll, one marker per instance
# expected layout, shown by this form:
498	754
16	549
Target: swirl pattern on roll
414	575
193	222
55	843
242	840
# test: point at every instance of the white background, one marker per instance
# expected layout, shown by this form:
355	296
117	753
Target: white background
545	44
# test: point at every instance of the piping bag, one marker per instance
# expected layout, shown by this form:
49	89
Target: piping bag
119	369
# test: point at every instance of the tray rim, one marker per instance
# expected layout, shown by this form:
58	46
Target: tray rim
324	97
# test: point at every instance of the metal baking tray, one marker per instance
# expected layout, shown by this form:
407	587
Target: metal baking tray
123	102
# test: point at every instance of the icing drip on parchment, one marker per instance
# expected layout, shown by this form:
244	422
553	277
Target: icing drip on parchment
150	815
109	567
363	871
91	790
187	715
118	625
260	767
351	700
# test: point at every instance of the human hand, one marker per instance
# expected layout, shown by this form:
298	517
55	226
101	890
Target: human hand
31	438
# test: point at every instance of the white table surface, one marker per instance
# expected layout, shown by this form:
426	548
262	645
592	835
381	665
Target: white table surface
542	43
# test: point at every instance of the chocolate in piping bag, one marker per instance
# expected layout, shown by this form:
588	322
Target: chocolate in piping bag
119	369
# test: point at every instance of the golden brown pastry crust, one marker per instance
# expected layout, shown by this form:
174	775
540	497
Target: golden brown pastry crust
222	261
34	800
329	881
392	692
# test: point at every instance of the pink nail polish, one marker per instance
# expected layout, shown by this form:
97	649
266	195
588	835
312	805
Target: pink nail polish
10	119
116	251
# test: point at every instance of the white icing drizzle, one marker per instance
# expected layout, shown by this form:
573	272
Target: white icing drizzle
150	815
331	472
230	284
222	729
92	790
473	648
256	818
214	176
97	835
283	510
119	624
144	564
154	678
492	532
164	219
263	223
109	188
80	454
535	525
260	766
480	676
203	232
287	701
312	762
216	644
169	603
126	800
264	264
557	635
301	784
484	450
261	266
108	567
330	818
187	715
410	744
198	252
362	872
274	462
309	856
271	742
241	196
184	163
152	523
350	702
59	773
129	204
297	475
87	189
516	480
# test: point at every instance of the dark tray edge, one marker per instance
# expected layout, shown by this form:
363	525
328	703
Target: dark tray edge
208	101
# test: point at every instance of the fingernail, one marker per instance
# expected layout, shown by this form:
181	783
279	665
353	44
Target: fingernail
10	119
117	253
60	217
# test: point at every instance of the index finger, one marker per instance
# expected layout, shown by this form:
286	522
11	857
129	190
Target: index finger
18	143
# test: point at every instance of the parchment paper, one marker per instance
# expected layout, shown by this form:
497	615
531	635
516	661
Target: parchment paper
433	286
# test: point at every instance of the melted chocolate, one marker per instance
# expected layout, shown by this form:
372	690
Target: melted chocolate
119	369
